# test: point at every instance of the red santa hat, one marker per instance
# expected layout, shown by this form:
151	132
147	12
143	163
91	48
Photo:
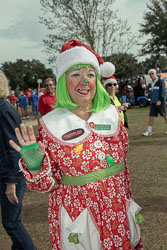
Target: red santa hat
151	71
76	52
110	79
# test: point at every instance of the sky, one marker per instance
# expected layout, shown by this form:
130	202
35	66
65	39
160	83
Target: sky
21	34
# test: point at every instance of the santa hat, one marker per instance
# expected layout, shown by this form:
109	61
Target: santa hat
76	52
151	71
110	79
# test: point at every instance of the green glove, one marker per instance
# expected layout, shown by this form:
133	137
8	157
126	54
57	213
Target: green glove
31	156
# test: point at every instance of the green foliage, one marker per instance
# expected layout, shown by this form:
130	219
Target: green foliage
155	61
21	74
155	26
126	65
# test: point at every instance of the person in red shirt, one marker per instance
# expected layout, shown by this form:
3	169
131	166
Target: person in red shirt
48	99
13	99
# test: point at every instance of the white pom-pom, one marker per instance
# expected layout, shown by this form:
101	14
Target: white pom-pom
107	69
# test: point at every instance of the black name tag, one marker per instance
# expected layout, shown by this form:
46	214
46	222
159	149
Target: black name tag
73	134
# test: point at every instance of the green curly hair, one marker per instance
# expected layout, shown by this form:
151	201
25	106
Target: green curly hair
100	101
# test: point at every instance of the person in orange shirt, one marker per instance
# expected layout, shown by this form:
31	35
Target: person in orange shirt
41	92
28	94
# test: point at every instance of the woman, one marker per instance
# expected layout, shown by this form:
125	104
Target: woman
110	84
80	158
12	182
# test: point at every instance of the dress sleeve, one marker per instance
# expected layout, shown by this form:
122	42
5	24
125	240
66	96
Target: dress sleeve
50	176
126	176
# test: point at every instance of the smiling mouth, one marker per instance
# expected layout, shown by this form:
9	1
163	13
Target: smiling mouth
83	91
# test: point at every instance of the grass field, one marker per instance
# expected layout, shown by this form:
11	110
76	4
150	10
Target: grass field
147	159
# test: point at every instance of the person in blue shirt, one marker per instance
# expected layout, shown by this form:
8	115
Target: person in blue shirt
34	102
12	182
156	89
23	102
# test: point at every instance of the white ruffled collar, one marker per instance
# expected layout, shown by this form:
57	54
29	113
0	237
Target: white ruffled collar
66	128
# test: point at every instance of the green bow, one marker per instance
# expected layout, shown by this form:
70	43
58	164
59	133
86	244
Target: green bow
139	218
73	238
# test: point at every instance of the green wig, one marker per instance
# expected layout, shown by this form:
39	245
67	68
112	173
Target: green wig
100	101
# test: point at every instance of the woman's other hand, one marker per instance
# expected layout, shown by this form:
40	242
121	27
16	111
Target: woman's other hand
126	105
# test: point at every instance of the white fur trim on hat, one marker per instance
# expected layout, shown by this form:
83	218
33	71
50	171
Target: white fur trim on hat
73	56
151	71
107	69
109	81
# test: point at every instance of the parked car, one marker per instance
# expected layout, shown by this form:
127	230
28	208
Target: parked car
142	101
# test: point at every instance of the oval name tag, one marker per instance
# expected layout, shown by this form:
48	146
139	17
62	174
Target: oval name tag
72	134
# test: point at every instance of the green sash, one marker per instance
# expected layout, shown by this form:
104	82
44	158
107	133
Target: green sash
94	176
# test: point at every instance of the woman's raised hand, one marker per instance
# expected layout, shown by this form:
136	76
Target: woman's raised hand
26	137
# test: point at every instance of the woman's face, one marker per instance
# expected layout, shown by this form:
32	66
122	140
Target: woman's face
111	88
81	85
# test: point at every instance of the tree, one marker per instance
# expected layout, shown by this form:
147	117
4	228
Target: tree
155	61
93	22
21	74
126	65
155	25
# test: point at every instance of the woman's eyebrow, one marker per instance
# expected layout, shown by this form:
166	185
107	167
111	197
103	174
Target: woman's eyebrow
75	70
90	69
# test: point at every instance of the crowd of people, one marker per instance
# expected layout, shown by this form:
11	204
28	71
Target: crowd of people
127	91
33	102
133	87
79	155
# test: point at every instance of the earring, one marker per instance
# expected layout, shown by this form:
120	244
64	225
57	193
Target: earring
85	81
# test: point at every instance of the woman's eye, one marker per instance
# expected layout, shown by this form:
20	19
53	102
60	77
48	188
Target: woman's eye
91	74
75	75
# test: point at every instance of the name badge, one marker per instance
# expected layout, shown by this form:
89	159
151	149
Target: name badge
102	127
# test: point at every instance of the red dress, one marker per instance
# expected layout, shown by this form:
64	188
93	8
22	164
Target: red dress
95	212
